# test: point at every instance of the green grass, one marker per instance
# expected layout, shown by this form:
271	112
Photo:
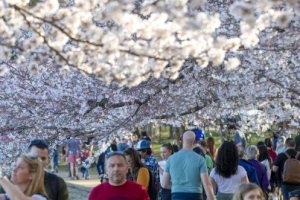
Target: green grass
157	140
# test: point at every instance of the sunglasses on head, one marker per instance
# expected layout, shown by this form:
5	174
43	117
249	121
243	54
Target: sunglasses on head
295	193
37	142
32	156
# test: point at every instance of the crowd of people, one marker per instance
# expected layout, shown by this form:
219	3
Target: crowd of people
198	171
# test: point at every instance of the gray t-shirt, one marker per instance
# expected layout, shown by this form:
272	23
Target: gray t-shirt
240	137
185	168
74	146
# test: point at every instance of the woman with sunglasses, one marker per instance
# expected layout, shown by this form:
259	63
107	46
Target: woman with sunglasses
27	180
138	170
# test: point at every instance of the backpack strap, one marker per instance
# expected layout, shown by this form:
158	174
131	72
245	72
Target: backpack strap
136	173
287	155
53	181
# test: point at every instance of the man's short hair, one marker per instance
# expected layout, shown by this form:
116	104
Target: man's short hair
41	144
290	142
115	153
230	127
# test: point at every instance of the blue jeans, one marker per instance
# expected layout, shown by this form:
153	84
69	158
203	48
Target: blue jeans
166	194
85	172
186	196
285	189
55	158
100	168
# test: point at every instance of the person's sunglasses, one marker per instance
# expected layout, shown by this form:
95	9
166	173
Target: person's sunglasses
295	193
37	142
31	156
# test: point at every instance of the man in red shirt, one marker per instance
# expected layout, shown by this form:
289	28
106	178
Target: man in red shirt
118	187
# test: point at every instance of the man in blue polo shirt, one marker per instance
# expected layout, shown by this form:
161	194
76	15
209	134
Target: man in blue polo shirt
188	172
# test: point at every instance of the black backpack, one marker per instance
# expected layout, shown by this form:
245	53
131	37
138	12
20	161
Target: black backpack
153	186
54	185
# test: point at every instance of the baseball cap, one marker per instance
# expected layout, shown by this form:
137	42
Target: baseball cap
280	139
143	144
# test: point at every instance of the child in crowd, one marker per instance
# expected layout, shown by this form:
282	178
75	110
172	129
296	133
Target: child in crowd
84	154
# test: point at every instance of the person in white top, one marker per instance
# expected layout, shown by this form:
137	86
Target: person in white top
166	150
265	159
27	180
227	174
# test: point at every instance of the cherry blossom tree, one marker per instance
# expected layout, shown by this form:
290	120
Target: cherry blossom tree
105	67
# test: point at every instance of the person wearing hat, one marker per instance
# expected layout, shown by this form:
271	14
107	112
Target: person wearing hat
280	147
123	145
144	149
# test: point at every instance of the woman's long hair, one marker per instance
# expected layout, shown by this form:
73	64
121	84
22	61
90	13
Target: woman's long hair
211	147
264	154
36	185
135	159
227	159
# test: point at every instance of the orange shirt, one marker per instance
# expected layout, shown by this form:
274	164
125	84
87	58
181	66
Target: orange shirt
143	178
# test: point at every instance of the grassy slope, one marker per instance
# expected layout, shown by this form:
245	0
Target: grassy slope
157	142
164	139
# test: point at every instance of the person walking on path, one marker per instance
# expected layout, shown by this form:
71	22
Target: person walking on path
73	149
239	137
279	166
117	186
188	171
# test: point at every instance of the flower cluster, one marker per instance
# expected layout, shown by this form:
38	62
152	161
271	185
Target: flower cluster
105	67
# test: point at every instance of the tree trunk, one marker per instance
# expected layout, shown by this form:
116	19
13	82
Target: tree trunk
171	132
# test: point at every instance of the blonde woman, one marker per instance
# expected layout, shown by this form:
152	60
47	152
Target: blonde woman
27	180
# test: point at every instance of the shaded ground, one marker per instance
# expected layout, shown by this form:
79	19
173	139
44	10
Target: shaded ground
79	189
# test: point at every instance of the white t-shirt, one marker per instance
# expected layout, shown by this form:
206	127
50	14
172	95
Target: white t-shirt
266	163
39	197
162	164
228	185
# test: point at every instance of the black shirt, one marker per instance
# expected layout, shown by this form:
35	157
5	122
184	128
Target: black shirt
281	158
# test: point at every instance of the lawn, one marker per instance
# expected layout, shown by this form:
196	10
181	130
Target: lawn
164	138
158	140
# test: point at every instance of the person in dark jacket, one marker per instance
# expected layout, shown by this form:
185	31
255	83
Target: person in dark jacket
100	164
251	173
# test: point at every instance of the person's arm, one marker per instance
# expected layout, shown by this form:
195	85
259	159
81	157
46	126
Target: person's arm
207	186
143	178
166	182
245	179
213	183
13	191
161	171
275	168
63	192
